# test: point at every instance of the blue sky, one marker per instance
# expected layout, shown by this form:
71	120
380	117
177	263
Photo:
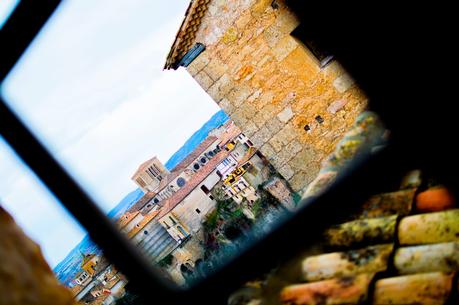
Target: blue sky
93	89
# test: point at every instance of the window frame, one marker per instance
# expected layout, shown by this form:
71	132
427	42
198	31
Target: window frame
18	32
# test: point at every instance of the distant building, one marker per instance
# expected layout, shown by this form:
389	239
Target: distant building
183	213
83	278
152	238
89	263
149	175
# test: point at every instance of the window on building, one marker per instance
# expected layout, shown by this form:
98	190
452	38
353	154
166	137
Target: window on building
302	34
181	182
182	231
205	189
319	119
198	211
141	182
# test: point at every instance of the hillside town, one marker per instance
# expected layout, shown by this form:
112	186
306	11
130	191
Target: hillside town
207	201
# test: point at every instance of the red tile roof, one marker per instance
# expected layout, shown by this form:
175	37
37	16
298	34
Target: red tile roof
149	217
142	202
231	132
250	153
182	165
187	33
126	218
201	148
206	170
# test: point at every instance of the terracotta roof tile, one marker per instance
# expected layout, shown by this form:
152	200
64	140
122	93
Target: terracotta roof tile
201	148
141	202
250	153
206	170
231	132
149	217
123	221
186	34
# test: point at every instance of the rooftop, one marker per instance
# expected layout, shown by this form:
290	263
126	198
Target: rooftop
126	218
142	202
187	33
201	148
230	133
149	217
203	173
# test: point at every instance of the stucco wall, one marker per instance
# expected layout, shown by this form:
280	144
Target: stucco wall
197	199
272	86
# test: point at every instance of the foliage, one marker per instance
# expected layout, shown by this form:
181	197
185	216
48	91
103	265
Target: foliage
166	261
130	298
257	207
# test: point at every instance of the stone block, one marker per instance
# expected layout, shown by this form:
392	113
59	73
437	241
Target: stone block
220	88
239	94
260	118
267	151
337	106
198	64
283	137
285	115
298	182
286	171
254	95
261	136
239	117
260	7
266	59
274	125
343	83
230	36
244	72
307	160
243	20
284	47
250	129
272	35
287	153
286	21
204	80
227	106
215	68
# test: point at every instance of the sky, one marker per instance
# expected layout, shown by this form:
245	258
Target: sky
92	89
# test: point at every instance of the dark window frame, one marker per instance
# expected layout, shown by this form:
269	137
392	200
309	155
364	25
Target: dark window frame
28	18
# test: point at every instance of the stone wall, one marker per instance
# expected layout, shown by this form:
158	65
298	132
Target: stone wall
272	86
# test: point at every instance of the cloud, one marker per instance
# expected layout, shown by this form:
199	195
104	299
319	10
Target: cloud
37	212
93	89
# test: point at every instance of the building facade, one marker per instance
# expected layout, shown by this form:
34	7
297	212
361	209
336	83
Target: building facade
149	175
292	100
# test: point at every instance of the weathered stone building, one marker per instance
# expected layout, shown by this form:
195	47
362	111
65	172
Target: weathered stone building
291	99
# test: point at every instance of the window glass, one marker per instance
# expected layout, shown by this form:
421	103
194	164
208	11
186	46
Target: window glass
75	260
99	88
